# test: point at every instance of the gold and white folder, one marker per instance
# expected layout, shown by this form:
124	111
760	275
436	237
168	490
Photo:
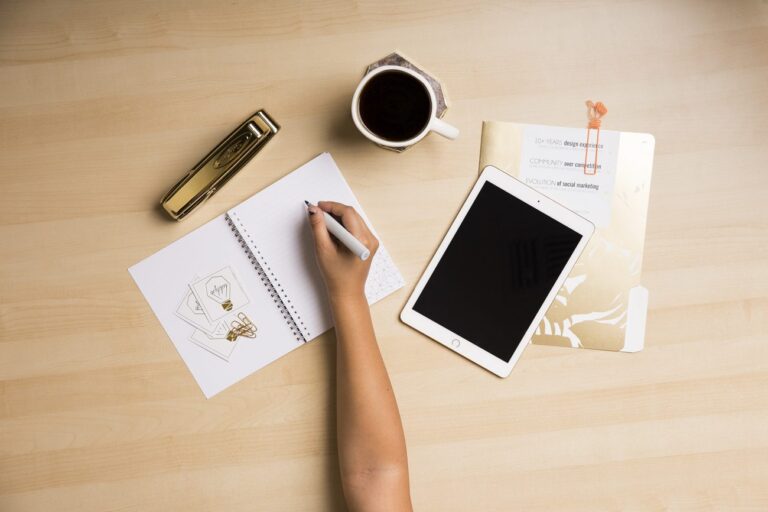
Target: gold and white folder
602	304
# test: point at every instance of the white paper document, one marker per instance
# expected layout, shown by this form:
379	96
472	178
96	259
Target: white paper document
552	161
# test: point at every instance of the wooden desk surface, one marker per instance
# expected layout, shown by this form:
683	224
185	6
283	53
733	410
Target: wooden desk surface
104	105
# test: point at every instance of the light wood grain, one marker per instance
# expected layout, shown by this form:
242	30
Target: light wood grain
104	104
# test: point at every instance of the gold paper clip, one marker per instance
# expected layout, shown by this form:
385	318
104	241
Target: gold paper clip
218	166
243	327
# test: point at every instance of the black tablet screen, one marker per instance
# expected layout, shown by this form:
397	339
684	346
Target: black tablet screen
497	271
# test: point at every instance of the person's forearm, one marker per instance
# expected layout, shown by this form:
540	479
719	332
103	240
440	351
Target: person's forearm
370	433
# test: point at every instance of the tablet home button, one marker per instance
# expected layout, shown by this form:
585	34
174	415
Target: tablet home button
455	343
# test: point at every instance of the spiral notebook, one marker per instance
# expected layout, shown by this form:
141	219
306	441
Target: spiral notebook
257	259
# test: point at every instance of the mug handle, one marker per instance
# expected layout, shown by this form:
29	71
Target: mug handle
441	127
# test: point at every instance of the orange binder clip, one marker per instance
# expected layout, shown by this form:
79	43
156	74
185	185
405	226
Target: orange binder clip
595	111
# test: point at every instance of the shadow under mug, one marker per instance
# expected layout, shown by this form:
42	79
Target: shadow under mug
433	125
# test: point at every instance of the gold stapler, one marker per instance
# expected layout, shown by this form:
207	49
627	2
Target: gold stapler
218	166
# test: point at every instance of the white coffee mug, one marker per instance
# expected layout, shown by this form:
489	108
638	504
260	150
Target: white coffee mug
434	125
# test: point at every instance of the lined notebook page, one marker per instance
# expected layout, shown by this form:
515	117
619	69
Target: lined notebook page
274	225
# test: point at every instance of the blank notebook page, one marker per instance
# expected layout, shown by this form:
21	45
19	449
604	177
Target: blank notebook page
274	225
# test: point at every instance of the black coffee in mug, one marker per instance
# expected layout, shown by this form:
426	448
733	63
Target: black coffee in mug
395	106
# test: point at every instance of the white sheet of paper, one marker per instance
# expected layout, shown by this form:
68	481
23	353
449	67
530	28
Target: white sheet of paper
192	312
552	162
221	347
217	289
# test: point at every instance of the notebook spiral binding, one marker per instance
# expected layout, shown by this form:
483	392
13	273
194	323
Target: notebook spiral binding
267	282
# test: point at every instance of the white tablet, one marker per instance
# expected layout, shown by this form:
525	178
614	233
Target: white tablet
497	271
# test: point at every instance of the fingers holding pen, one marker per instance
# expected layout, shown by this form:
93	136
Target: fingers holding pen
352	221
320	232
344	248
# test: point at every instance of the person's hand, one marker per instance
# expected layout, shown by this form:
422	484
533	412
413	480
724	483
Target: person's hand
344	273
